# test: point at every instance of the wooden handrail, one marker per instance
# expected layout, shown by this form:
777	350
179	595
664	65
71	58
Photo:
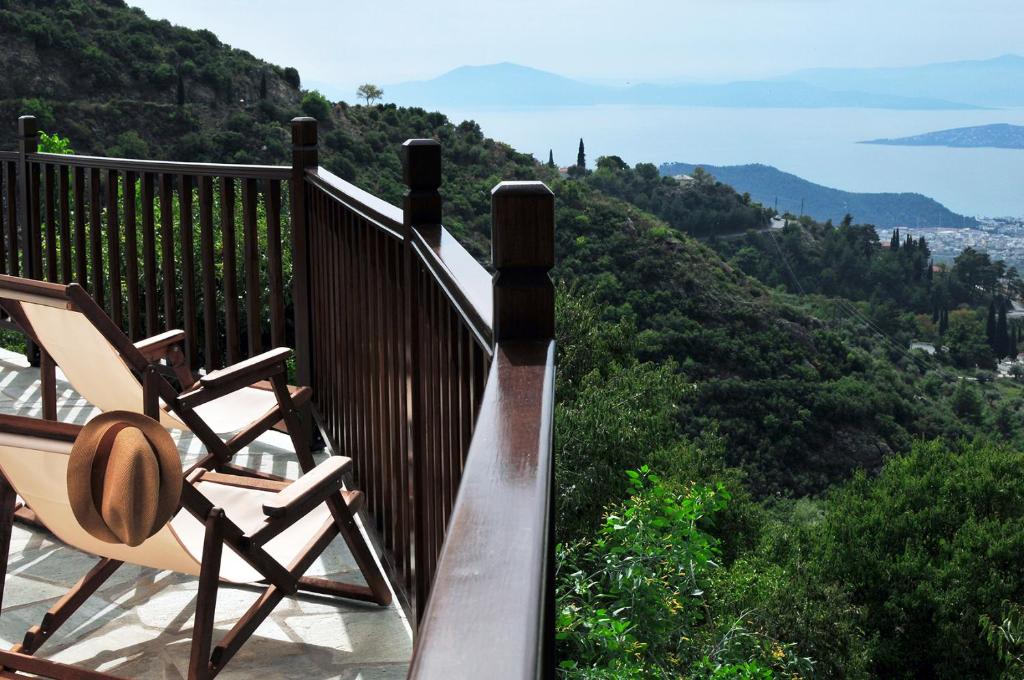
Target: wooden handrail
278	172
466	282
487	615
8	155
376	210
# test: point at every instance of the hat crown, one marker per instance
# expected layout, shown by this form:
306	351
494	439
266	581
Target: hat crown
124	477
129	486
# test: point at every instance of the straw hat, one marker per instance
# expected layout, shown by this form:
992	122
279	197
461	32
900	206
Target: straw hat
124	477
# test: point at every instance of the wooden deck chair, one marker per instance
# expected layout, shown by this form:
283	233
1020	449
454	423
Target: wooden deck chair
112	373
273	531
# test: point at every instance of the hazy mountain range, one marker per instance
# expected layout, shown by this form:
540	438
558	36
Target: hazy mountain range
774	188
954	85
998	136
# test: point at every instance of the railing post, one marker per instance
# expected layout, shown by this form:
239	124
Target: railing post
421	172
28	142
523	252
304	156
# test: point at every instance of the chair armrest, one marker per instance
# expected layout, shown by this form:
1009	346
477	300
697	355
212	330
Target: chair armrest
249	371
156	347
309	490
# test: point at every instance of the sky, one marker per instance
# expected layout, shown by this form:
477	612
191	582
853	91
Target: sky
337	44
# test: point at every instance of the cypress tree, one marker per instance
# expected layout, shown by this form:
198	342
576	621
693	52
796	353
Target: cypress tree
263	85
1012	350
894	242
931	269
990	325
944	322
181	90
1002	333
581	157
551	158
936	314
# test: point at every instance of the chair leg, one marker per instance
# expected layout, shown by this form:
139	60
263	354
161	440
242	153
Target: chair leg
295	421
360	549
48	385
7	500
200	666
67	605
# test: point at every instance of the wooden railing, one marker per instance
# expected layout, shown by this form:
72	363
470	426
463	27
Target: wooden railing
434	376
160	245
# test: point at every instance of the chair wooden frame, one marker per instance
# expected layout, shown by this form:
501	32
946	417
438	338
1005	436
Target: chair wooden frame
293	501
157	360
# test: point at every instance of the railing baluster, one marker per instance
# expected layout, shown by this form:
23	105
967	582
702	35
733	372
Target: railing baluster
11	184
49	179
95	237
35	229
131	255
227	214
188	293
114	248
251	247
63	190
274	274
211	360
149	254
167	250
81	254
5	222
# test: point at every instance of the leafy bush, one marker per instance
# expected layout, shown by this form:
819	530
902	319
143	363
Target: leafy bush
634	601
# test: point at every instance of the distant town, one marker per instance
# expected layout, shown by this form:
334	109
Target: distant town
1001	237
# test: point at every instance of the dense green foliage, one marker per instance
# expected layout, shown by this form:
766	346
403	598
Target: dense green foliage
754	382
700	206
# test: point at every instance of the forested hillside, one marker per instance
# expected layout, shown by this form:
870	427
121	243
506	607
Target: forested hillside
756	478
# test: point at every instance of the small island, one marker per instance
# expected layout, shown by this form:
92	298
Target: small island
997	136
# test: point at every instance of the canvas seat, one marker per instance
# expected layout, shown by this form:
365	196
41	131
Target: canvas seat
112	373
274	532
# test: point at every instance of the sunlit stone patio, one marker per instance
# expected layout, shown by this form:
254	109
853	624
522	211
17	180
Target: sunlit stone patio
139	624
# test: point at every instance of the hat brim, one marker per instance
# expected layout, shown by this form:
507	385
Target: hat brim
83	457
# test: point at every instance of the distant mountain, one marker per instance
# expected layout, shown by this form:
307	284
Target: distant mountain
510	85
766	184
987	82
998	136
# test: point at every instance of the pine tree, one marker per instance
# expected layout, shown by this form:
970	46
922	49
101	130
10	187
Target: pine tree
551	158
581	157
990	325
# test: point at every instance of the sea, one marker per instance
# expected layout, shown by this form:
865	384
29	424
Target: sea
819	145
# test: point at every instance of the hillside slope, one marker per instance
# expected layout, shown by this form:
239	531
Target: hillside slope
769	185
800	402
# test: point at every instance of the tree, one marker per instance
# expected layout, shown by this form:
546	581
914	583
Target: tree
181	90
943	322
369	92
990	324
1002	332
316	105
581	157
263	85
551	158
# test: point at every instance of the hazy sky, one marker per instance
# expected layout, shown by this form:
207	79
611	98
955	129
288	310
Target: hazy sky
346	42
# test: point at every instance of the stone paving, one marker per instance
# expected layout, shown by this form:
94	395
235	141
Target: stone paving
139	624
